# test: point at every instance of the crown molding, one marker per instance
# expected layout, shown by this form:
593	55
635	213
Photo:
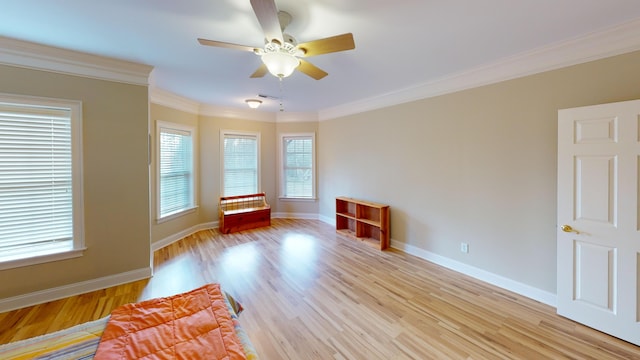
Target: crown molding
283	117
41	57
620	39
174	101
166	98
613	41
235	113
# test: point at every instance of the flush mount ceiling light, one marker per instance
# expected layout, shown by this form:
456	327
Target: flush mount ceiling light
253	103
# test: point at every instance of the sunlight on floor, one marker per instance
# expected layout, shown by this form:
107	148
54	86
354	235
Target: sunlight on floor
172	277
299	257
241	260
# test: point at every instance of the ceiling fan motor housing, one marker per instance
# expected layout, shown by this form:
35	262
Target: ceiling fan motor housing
285	19
289	39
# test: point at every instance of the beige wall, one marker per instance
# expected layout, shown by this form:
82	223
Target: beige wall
208	166
115	175
477	166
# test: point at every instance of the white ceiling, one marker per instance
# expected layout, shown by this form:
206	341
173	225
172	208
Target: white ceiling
400	44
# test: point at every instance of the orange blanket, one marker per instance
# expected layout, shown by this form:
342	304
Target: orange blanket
191	325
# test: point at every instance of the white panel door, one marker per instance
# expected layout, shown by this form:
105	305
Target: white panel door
598	235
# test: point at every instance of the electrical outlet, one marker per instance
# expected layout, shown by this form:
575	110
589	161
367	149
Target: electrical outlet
464	247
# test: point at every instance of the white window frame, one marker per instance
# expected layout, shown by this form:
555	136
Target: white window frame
194	192
282	165
77	243
256	135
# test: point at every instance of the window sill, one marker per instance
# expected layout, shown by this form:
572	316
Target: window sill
301	199
41	259
176	215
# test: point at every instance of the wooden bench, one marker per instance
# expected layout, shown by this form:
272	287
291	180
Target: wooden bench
243	212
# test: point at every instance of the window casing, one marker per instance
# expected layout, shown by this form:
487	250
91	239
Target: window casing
41	205
297	164
176	170
240	162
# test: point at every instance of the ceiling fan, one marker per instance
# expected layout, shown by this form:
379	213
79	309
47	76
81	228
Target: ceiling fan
282	54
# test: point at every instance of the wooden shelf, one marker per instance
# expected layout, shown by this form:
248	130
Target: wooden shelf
347	215
363	220
371	242
347	233
370	222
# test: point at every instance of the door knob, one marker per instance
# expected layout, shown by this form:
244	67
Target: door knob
567	228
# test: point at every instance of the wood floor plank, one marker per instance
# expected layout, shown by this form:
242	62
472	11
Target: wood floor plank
312	294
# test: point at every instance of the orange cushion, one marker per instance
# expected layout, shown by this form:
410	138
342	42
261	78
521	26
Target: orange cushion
191	325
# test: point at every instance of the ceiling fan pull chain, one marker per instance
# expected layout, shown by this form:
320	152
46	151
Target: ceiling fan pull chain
281	94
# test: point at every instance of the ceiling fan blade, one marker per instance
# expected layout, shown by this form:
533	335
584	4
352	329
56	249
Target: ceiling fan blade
311	70
328	45
225	45
267	14
260	72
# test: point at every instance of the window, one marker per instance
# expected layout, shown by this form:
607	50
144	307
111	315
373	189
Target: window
297	158
240	163
41	214
176	180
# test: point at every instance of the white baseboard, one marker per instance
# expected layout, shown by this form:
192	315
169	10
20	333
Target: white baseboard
182	234
326	219
155	246
42	296
305	216
61	292
531	292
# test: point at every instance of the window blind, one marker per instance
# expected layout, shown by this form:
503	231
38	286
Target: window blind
36	197
298	166
240	164
176	171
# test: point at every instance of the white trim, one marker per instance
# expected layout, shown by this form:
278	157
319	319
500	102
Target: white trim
534	293
165	98
284	117
305	216
157	245
193	131
77	188
176	215
41	57
174	101
60	292
39	297
297	199
326	219
255	134
281	149
41	259
235	113
616	40
531	292
613	41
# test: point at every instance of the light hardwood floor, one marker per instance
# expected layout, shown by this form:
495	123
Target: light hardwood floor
310	294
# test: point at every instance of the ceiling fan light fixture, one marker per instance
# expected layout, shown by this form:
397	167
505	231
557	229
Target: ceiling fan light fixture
253	103
280	63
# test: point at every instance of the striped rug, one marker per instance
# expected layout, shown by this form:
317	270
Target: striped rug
78	342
